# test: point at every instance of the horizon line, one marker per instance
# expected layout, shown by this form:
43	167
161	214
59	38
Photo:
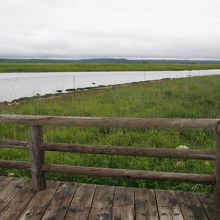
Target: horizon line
103	58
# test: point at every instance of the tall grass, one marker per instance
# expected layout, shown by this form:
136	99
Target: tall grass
197	97
68	67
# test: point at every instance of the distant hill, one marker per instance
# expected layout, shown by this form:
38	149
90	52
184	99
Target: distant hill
110	61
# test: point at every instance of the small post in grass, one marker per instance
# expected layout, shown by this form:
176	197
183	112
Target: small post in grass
217	171
37	157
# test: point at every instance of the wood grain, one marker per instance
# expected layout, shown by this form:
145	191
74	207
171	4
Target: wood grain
4	181
102	203
217	171
80	206
60	202
191	207
123	208
206	200
168	206
135	174
15	164
145	204
37	157
84	201
131	151
39	203
111	122
9	191
116	150
16	206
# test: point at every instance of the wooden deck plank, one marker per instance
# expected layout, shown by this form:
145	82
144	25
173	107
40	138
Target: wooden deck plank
145	204
191	206
39	202
91	202
18	203
102	203
123	207
168	206
4	181
81	203
11	188
60	202
207	202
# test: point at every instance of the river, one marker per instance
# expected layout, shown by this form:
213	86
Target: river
17	85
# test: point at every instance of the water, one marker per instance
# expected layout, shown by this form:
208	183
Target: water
18	85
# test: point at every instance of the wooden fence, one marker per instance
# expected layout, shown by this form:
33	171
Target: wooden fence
37	148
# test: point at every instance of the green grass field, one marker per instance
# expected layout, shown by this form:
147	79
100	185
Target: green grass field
68	67
196	97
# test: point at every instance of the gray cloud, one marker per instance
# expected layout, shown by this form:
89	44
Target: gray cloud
116	28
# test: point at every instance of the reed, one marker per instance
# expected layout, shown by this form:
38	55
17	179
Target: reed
196	97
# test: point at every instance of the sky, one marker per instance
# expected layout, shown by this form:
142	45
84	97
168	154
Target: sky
181	29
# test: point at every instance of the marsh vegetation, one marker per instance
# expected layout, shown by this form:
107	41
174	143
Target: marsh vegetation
196	97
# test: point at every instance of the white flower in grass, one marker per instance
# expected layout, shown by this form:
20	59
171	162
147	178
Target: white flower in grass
179	164
206	163
182	147
11	174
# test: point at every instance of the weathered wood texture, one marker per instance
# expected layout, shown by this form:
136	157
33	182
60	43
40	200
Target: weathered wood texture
4	181
11	189
122	173
81	203
38	205
206	200
90	202
116	150
145	204
168	206
123	207
37	148
14	144
217	171
191	206
131	151
135	174
15	164
18	203
111	122
102	203
37	157
60	202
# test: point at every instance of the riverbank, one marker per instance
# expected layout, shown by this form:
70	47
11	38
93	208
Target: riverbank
196	97
69	67
70	92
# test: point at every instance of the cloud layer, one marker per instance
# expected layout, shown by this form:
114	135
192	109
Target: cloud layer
116	28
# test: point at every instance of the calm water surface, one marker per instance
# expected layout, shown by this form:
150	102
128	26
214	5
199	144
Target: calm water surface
18	85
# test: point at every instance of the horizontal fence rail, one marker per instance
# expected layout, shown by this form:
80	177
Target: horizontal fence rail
37	148
101	122
110	172
116	150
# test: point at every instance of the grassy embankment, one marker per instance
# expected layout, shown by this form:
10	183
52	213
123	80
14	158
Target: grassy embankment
70	67
197	97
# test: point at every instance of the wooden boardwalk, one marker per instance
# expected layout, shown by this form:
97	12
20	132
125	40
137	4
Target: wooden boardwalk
65	200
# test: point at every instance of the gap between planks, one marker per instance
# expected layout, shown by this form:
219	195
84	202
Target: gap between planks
65	200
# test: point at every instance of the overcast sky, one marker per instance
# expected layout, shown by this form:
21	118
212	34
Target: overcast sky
110	28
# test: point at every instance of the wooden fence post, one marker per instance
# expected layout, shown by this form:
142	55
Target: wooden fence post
37	157
217	171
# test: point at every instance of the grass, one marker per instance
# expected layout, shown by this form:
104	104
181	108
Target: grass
196	97
68	67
